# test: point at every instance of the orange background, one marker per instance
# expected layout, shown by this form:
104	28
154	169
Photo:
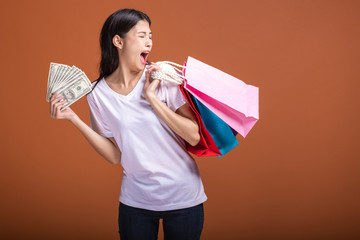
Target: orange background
295	176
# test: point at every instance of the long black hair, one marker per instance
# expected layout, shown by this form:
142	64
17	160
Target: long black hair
118	23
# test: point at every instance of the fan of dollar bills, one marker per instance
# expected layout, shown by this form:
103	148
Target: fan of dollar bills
70	82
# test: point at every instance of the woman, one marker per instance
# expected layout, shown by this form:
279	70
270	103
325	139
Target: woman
142	123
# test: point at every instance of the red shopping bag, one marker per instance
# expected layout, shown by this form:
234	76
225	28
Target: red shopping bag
206	146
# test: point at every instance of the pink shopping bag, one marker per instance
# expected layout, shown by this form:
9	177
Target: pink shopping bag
235	102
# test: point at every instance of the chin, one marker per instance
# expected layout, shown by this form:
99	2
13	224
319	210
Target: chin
138	68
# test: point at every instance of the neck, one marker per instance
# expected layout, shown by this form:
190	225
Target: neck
124	77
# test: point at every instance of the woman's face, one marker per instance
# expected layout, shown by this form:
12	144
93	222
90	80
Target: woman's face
136	46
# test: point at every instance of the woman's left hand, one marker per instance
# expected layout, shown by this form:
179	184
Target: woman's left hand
150	84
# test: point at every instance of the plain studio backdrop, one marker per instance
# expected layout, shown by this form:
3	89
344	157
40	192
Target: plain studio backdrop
295	176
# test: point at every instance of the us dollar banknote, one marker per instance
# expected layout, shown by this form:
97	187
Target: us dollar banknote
69	82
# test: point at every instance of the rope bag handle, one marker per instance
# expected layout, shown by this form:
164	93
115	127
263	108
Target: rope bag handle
167	73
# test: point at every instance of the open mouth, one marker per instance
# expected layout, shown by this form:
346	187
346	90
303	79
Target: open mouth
143	57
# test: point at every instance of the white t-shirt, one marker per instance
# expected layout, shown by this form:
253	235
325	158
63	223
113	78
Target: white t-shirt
159	174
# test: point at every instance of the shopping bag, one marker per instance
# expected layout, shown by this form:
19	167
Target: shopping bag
206	145
222	134
222	104
235	102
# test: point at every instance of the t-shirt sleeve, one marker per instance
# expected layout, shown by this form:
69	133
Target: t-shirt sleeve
97	123
173	95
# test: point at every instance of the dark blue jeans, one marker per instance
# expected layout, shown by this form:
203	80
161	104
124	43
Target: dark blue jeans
141	224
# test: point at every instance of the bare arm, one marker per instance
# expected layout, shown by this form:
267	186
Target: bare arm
182	122
106	147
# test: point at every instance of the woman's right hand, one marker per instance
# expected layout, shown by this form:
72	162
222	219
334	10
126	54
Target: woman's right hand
56	103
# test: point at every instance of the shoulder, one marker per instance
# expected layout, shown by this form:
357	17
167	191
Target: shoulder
95	83
97	86
169	86
95	90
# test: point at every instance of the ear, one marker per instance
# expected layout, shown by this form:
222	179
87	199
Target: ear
118	42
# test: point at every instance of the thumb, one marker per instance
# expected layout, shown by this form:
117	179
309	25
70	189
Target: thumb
147	75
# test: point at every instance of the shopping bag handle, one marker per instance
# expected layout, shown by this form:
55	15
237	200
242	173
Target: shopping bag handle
167	72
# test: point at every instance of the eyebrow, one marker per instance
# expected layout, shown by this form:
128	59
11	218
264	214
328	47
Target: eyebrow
144	32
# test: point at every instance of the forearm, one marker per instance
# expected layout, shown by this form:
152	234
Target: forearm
182	126
102	145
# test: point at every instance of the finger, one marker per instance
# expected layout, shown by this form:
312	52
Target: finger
58	99
147	75
53	110
149	68
154	85
155	82
53	102
57	106
153	66
53	96
151	71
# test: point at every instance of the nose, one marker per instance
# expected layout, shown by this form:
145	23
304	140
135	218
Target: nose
148	42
